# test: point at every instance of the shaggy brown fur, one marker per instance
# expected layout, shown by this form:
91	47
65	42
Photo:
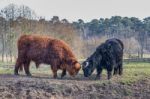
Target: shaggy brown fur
47	50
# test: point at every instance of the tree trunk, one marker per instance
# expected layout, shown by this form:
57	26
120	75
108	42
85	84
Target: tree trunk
3	48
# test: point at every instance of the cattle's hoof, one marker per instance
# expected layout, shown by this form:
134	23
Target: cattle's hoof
29	75
16	74
109	78
55	77
61	77
98	78
72	77
114	74
120	74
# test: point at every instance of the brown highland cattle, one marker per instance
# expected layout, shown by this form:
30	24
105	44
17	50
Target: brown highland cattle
47	50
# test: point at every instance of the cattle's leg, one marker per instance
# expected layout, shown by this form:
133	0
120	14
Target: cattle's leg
120	66
54	70
99	71
120	69
63	73
17	66
37	65
26	67
109	72
115	71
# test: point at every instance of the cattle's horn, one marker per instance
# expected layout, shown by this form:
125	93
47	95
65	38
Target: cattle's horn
86	64
78	66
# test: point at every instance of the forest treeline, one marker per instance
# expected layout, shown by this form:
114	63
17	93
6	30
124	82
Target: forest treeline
82	36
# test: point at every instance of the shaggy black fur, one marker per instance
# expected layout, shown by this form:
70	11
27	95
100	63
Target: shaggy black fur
109	56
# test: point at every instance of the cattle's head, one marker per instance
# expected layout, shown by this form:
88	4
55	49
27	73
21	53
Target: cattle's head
74	67
88	67
90	64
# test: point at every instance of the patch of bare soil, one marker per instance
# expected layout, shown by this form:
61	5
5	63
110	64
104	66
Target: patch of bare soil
22	87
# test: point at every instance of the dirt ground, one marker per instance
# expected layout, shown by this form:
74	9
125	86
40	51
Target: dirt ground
36	87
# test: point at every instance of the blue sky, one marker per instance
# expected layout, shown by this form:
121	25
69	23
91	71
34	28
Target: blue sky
85	9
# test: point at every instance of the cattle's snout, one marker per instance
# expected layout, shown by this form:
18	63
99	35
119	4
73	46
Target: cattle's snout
75	68
85	69
86	72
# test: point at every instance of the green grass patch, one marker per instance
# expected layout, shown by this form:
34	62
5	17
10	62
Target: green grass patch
132	72
135	71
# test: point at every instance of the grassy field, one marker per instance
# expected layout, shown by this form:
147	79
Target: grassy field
133	84
132	71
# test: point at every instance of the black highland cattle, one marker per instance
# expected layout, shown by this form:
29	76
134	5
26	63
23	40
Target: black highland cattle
109	56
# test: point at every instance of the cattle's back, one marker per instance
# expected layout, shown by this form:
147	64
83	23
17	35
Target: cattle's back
115	43
111	49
